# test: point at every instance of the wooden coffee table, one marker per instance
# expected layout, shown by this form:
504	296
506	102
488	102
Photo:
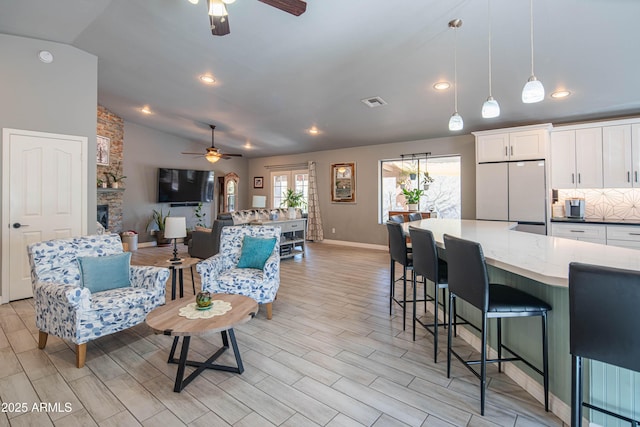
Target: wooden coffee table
165	320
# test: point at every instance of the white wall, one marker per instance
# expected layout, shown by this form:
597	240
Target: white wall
359	222
145	150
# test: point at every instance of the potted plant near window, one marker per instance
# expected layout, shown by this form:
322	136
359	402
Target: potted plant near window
413	198
157	222
293	200
426	180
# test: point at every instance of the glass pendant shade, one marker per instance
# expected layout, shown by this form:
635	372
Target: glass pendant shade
533	91
456	122
490	108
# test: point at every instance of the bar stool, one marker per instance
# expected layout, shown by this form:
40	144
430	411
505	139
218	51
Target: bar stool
402	255
427	264
469	280
603	306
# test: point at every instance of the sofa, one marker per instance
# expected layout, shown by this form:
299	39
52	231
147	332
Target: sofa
205	243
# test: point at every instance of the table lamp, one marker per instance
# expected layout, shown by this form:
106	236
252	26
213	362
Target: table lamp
259	202
174	228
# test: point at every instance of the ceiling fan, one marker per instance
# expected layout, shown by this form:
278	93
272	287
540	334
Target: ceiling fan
219	17
213	154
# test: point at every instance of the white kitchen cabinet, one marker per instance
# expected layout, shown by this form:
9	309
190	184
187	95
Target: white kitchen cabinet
594	233
523	143
617	151
576	158
625	236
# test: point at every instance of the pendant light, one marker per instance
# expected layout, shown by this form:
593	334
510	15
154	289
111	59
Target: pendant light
490	108
533	90
455	122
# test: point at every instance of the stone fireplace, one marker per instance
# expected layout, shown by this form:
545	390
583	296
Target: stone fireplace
110	200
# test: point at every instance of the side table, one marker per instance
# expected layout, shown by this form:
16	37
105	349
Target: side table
166	320
186	262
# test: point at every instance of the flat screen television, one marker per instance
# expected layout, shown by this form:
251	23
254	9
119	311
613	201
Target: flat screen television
184	185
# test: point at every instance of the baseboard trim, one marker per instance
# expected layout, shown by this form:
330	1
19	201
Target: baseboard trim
355	244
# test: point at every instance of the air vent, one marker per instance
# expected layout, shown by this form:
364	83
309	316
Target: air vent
374	101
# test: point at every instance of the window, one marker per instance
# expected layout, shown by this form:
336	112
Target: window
441	195
281	181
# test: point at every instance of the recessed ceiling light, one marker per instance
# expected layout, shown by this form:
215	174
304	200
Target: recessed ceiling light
248	145
45	56
313	131
206	78
193	1
560	94
145	110
442	86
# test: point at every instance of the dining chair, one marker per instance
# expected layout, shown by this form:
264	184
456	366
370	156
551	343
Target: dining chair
415	216
397	219
469	281
603	306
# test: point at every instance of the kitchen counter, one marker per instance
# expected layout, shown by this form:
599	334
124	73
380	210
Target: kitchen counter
544	259
539	265
596	221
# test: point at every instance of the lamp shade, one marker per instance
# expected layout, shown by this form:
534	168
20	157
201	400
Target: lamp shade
490	108
175	227
259	201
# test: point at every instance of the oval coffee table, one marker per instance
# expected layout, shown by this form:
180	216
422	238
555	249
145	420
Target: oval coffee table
166	320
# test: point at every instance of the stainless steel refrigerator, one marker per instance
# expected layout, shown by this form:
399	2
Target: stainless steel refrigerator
513	191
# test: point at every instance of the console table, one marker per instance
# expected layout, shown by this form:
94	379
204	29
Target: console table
293	235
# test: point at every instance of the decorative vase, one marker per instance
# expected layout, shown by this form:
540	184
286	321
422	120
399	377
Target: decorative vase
291	213
412	206
203	299
103	185
114	185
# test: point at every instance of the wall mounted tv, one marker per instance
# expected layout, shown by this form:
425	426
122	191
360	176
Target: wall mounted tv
184	186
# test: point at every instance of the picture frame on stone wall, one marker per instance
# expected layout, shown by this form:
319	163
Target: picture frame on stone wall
102	150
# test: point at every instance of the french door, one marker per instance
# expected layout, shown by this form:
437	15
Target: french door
281	181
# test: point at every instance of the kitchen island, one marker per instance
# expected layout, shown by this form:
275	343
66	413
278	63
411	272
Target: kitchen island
539	265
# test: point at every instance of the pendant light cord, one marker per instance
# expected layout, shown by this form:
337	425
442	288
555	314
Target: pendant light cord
489	13
531	32
455	69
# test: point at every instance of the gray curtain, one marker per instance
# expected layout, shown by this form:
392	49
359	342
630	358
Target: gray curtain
314	220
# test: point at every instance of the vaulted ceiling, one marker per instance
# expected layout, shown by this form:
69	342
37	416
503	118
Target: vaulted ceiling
277	75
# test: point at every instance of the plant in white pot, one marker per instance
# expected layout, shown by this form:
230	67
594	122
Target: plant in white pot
413	198
293	200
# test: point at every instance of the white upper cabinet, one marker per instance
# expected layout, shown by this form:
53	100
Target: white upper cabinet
523	143
492	148
576	158
621	153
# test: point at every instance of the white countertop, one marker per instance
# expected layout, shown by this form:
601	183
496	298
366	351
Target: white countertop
542	258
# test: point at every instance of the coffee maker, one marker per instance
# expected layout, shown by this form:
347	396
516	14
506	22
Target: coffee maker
574	208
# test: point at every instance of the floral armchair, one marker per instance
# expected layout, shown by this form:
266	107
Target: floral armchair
220	274
66	309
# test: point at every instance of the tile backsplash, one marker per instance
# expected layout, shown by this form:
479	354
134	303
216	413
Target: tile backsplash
607	203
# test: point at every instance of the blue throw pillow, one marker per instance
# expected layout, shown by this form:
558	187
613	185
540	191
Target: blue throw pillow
256	251
100	273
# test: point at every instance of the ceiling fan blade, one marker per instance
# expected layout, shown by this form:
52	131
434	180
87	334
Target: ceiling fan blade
219	25
195	154
294	7
232	155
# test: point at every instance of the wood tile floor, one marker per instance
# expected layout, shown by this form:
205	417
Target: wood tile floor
331	356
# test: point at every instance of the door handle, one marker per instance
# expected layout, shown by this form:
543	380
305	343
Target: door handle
511	150
18	225
579	178
636	176
577	231
628	176
506	153
573	178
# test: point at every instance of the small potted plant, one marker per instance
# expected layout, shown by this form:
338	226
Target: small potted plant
426	180
157	222
293	200
101	183
413	198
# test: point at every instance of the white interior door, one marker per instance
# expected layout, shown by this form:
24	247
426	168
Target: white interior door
44	197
